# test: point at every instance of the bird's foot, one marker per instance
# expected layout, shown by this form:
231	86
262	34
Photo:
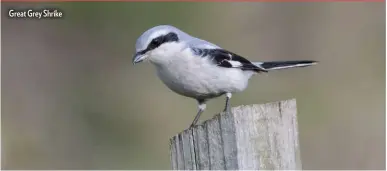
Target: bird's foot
227	109
227	105
191	126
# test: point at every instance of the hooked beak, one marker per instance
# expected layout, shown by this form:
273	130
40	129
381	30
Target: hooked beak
137	58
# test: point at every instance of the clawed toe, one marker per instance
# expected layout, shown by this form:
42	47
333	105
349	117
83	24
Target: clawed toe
227	109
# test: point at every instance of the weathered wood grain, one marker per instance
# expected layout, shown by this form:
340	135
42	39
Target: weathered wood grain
253	137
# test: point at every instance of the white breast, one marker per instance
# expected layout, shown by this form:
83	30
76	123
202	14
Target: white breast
197	77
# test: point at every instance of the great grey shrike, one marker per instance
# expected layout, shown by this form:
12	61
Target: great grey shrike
199	69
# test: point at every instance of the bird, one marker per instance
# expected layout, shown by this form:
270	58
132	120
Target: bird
199	69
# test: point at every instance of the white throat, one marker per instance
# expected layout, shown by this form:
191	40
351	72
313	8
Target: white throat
165	53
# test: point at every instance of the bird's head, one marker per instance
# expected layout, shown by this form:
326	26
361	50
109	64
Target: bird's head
156	42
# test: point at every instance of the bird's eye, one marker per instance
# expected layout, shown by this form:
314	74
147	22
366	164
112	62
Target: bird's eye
155	43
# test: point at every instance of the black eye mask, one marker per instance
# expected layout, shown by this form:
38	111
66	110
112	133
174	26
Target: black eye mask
158	41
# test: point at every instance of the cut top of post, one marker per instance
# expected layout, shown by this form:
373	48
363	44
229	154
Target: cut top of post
253	137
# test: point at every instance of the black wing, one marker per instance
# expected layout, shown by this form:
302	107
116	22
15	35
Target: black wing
224	58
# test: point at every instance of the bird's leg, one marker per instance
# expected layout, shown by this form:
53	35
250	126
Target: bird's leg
227	106
202	107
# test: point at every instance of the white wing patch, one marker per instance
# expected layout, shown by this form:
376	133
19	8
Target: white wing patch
234	64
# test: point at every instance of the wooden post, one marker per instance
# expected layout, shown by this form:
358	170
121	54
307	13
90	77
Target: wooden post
253	137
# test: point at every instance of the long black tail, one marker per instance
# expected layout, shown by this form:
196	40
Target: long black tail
276	65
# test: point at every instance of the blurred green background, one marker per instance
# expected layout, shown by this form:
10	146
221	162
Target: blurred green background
71	98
